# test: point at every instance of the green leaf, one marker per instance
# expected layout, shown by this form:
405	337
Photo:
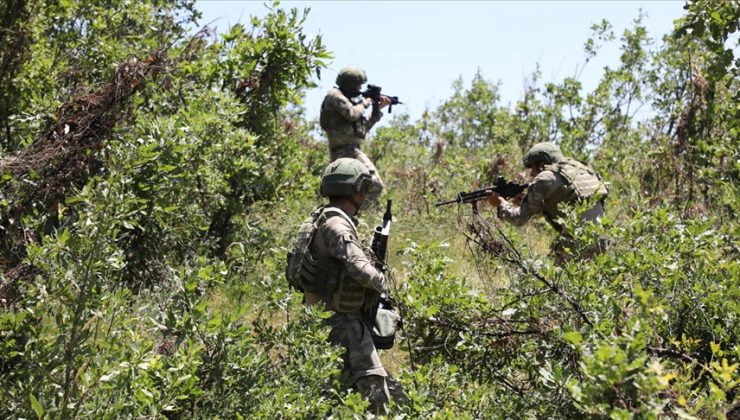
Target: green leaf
64	237
36	406
573	337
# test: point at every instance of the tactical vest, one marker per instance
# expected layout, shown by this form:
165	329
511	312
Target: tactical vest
340	131
303	271
581	182
349	296
311	269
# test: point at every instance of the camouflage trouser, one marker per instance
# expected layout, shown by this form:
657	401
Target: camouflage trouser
353	151
361	361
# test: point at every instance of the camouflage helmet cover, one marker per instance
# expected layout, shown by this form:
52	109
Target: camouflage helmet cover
546	152
351	76
344	177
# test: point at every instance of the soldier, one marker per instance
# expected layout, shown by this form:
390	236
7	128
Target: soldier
341	276
342	117
556	180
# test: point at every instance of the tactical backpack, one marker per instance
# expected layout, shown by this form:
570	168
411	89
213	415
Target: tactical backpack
306	231
302	271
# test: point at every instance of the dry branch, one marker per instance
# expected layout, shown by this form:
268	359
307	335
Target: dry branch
484	237
62	158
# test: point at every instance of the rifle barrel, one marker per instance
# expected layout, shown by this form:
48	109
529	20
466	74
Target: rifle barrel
442	203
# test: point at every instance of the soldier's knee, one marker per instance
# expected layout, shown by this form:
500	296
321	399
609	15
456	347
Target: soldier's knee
375	389
396	391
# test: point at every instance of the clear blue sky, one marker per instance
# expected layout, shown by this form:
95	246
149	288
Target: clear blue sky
416	49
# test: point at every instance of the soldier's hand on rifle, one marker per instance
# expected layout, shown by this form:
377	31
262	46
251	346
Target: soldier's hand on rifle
384	102
517	199
366	102
495	200
381	266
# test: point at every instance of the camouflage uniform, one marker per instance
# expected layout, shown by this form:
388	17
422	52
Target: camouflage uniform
567	181
346	126
336	249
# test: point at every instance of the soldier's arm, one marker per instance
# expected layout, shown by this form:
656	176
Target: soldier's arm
375	116
345	108
533	202
359	266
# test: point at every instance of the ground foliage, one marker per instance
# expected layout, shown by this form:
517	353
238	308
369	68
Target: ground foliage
151	180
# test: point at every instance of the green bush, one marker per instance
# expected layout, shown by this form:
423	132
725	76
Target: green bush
151	285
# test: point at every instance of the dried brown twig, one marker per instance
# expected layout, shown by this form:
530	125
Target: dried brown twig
63	157
483	234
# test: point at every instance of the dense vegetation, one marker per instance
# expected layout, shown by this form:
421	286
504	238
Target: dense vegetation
151	180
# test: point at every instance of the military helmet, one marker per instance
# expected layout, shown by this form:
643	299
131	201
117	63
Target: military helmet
546	152
345	177
351	76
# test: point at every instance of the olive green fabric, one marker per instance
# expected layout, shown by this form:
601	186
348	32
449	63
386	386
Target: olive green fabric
335	244
384	328
343	119
549	194
375	389
309	268
582	179
547	153
363	368
351	76
361	358
345	177
294	271
354	152
566	182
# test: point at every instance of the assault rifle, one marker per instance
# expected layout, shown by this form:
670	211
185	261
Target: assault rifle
383	318
379	244
502	187
373	92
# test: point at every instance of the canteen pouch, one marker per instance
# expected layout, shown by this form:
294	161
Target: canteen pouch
384	323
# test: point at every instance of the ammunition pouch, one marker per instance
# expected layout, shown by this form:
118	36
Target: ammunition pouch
319	277
383	322
384	329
